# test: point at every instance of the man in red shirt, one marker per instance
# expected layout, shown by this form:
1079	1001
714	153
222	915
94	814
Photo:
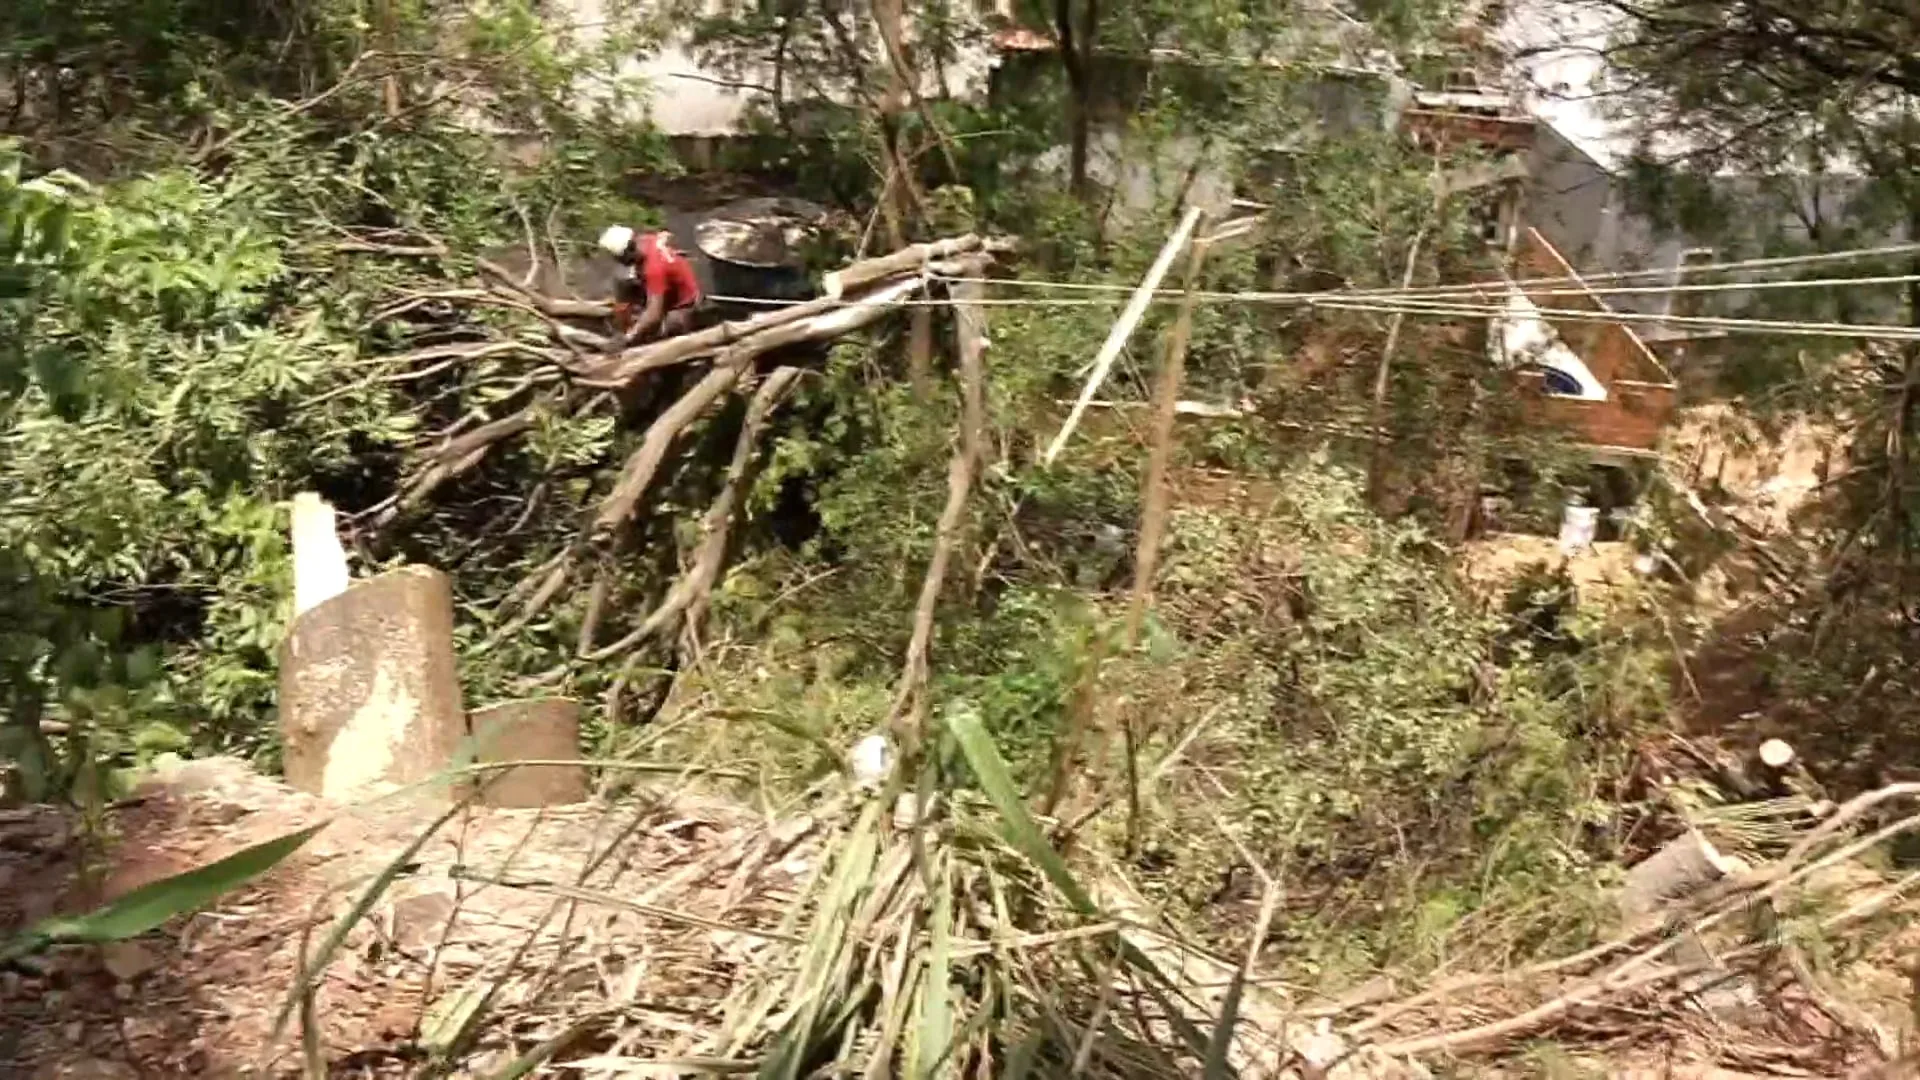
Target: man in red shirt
655	277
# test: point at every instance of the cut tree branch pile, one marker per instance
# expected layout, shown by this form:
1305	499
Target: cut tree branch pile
1650	959
574	376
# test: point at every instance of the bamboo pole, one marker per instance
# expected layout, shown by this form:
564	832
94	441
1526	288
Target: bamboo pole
908	715
1123	328
1153	513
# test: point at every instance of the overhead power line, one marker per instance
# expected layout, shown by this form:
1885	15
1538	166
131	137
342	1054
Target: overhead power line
1445	307
1573	284
1865	331
1483	299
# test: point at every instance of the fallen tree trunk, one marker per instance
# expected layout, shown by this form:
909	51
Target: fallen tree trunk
639	471
637	475
618	371
688	597
811	321
861	274
733	348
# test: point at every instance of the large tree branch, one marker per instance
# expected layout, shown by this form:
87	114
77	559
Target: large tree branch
688	597
638	474
909	704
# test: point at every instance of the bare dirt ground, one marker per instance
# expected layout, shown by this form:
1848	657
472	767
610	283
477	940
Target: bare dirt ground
1763	477
1494	561
201	998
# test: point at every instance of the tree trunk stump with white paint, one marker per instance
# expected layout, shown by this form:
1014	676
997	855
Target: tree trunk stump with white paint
1685	866
540	729
369	690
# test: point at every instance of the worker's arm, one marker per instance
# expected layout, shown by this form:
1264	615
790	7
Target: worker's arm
653	275
650	318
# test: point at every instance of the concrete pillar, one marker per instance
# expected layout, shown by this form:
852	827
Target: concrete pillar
369	691
540	729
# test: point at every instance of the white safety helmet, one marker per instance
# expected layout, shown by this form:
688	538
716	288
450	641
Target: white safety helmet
616	239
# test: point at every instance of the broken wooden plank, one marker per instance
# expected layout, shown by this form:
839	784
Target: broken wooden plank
1124	326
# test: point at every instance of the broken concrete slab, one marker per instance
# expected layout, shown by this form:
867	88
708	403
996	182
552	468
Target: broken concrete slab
369	691
538	729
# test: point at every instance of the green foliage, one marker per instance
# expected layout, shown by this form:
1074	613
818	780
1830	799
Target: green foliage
224	320
1796	147
1340	734
188	345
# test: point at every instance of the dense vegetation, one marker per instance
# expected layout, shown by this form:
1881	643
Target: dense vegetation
1795	147
236	262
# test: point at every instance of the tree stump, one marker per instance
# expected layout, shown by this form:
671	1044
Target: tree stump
369	690
539	729
1685	866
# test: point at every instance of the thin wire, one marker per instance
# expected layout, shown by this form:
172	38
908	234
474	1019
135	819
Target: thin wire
1870	331
1575	283
1310	299
1419	306
1456	300
934	302
1703	287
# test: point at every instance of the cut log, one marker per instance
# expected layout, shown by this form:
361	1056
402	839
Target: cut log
1776	754
908	259
1685	866
369	691
540	729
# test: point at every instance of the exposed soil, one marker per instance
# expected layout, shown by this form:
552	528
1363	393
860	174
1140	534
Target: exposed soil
201	998
1492	563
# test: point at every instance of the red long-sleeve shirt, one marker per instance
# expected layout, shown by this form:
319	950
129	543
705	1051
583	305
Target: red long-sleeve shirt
665	272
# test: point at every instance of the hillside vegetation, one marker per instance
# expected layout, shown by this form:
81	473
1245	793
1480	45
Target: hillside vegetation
246	254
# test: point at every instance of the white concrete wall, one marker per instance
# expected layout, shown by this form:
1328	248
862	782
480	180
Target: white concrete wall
1576	196
688	99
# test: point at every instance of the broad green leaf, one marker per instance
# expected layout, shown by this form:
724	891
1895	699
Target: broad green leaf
344	925
1217	1066
983	757
963	721
151	906
936	1006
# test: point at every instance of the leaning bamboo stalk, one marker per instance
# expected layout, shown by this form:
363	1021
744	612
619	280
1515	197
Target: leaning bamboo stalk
971	340
1382	375
1153	514
1123	328
1166	405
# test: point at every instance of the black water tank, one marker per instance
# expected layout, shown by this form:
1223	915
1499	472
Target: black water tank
753	249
